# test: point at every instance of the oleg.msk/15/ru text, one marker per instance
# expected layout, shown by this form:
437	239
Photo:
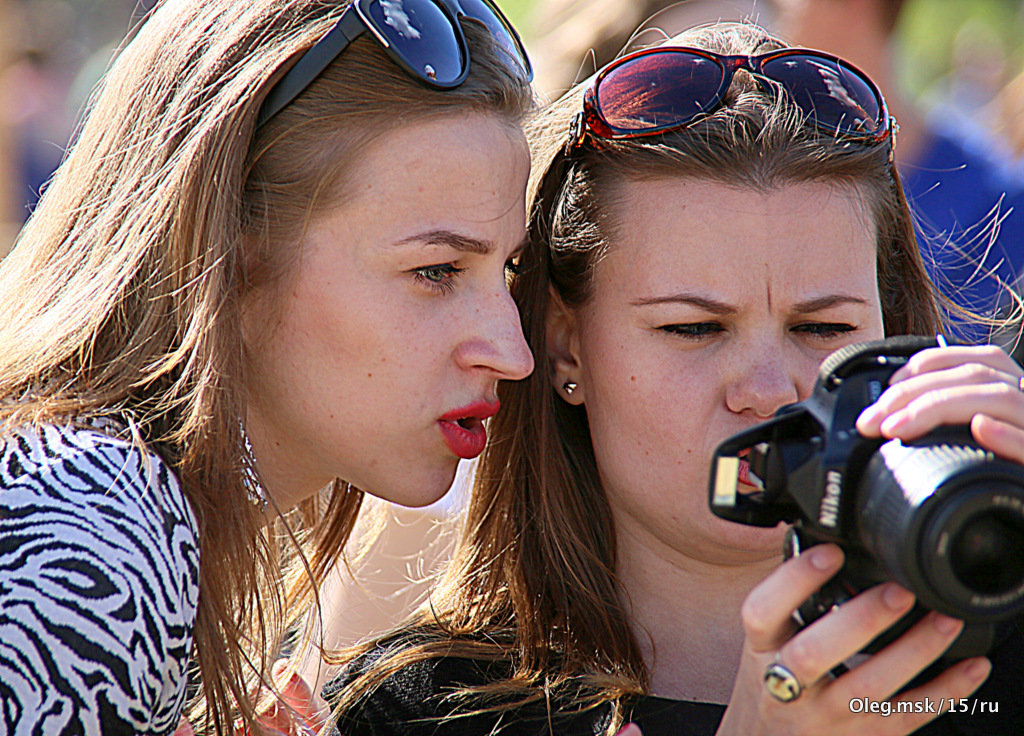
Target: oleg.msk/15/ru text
942	705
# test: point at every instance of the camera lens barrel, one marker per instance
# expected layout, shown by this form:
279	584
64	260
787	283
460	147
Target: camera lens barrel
945	518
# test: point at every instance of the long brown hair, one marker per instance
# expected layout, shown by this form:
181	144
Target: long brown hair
533	580
122	296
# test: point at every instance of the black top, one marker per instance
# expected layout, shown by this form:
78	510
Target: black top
412	702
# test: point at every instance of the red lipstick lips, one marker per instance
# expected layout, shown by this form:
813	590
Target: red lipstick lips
463	429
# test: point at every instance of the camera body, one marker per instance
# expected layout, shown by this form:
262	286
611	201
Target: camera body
941	515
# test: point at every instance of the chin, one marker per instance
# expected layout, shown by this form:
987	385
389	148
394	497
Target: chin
416	490
751	538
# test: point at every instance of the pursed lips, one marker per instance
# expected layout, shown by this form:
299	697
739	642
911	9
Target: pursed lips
463	429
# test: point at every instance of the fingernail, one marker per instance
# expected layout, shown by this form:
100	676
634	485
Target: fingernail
869	415
898	375
978	669
825	557
945	624
897	597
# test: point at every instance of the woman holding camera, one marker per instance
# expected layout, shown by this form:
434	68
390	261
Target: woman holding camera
234	308
717	215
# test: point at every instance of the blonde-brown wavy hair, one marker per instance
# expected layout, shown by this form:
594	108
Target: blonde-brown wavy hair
532	583
122	296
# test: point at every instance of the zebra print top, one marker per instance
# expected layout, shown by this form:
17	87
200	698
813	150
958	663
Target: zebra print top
99	582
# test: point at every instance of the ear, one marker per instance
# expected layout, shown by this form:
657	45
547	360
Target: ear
563	349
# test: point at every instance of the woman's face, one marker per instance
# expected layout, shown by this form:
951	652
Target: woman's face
713	308
377	358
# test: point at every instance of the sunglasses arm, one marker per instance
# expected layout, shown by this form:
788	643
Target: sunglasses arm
330	46
312	63
894	127
577	132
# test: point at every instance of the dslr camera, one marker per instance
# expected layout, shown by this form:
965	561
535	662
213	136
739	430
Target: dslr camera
940	515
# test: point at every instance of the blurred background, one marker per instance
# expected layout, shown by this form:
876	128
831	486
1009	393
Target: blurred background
961	57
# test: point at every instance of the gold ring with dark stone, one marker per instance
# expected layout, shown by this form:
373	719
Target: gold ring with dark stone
781	683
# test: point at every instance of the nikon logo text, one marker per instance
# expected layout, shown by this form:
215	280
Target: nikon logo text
828	513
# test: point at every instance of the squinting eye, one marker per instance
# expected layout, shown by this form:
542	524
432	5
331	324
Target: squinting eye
693	330
825	330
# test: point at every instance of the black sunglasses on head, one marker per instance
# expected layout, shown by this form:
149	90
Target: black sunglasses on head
422	36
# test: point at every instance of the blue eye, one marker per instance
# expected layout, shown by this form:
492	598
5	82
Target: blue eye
440	277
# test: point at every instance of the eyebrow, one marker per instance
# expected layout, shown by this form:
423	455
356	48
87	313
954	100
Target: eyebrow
451	240
825	302
714	306
709	305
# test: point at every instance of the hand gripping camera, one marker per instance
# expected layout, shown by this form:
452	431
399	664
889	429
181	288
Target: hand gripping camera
941	516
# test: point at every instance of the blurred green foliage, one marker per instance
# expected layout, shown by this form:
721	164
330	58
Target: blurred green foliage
518	11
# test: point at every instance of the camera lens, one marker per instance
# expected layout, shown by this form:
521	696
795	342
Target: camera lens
987	553
945	518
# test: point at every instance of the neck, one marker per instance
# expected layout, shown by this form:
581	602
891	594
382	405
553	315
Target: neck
685	615
283	479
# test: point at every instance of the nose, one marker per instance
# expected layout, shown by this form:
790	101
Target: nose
496	343
761	385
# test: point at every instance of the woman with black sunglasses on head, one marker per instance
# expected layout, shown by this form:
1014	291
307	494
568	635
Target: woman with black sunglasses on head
716	216
270	274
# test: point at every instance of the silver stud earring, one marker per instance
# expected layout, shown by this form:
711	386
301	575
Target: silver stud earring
569	387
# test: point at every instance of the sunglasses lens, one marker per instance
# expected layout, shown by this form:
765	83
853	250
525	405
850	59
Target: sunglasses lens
502	32
422	34
658	90
834	95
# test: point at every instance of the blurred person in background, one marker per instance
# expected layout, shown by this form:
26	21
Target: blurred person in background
578	36
53	53
960	99
8	195
1008	113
